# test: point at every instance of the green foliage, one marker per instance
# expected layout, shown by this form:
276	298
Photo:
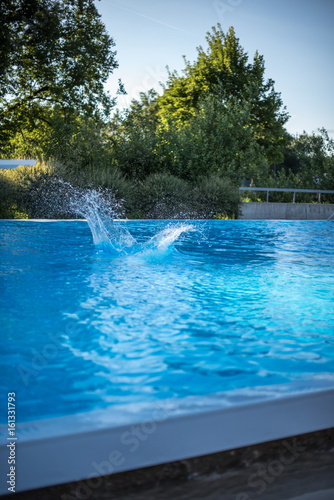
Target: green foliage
314	156
225	66
142	113
80	151
54	61
220	117
134	149
8	207
163	196
55	58
24	190
132	136
218	139
308	164
215	197
14	188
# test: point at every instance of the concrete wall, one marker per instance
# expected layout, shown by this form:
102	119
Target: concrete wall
286	211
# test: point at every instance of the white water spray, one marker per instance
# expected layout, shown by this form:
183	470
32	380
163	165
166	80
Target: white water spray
115	238
101	209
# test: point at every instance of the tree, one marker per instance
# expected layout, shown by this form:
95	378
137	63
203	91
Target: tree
133	137
55	58
225	66
313	160
218	140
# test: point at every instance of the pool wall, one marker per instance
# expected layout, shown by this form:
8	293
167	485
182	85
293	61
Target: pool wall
285	211
81	447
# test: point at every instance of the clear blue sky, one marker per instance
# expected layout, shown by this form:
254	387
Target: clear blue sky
296	38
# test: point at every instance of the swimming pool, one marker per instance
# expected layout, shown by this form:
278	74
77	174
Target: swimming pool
162	310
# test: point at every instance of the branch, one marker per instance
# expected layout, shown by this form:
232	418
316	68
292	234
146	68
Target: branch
29	98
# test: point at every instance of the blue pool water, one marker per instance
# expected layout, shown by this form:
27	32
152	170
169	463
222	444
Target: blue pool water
161	310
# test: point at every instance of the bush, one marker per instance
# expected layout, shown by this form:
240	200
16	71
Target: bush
163	196
41	192
107	177
44	191
8	206
15	184
216	197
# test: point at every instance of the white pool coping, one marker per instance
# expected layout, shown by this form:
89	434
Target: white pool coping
78	447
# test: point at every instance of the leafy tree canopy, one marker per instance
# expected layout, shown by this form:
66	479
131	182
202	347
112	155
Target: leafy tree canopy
225	65
55	54
219	139
309	160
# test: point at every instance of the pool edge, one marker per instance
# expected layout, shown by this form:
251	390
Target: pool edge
167	437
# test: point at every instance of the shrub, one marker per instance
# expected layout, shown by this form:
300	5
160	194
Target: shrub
41	192
44	191
215	197
163	196
15	184
8	206
107	177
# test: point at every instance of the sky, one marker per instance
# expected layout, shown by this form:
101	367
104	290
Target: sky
296	38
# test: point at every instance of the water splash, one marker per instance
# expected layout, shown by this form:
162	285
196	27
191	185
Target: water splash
161	245
100	208
99	213
117	239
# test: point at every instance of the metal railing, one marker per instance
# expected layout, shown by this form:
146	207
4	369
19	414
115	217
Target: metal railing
319	192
